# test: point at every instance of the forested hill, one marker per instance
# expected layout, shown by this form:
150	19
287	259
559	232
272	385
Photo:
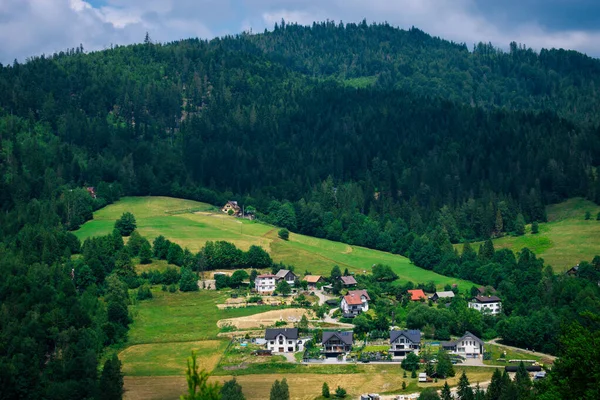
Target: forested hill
477	136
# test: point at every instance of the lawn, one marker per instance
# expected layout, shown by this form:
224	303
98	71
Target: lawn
565	240
506	354
306	385
155	216
182	317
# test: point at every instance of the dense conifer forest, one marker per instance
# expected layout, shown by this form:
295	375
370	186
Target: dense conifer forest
365	134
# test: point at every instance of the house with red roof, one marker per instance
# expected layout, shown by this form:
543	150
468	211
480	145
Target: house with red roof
355	302
417	294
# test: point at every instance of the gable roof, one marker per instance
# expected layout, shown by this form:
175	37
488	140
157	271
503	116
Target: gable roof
483	289
414	335
344	336
289	333
348	280
283	272
444	295
487	299
417	294
352	300
312	278
359	293
468	335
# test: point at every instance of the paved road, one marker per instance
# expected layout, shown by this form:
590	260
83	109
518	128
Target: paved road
321	295
535	353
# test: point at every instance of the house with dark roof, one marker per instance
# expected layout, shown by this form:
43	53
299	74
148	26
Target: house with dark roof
468	345
232	208
442	295
286	275
355	302
336	342
417	294
348	281
486	304
403	342
282	340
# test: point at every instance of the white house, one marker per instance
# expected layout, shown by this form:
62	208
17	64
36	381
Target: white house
265	283
355	302
282	340
286	275
488	304
404	342
469	346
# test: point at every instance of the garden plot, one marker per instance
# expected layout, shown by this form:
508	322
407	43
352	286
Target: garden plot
269	318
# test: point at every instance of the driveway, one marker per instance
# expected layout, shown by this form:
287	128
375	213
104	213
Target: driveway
321	295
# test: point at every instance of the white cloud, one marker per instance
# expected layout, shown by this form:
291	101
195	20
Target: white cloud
33	27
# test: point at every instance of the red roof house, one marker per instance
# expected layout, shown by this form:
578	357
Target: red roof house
417	294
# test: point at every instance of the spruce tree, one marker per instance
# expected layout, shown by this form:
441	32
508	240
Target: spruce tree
325	390
495	387
188	281
464	390
232	390
111	380
146	253
446	394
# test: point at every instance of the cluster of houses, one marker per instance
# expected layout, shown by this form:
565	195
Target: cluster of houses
338	342
267	283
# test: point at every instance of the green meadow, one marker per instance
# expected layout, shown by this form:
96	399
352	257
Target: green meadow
565	240
191	224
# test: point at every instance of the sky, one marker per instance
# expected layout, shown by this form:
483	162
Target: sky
35	27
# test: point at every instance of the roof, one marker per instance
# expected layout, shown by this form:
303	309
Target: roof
487	299
266	276
283	272
468	335
344	336
359	293
348	280
417	294
483	289
289	333
232	202
445	294
312	278
414	335
353	300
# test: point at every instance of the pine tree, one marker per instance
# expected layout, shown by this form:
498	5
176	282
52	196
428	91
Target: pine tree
198	386
522	380
494	389
280	390
111	380
499	225
446	394
487	251
146	253
188	281
464	391
325	390
535	228
126	224
520	225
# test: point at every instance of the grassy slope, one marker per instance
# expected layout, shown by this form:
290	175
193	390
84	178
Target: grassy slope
565	240
192	230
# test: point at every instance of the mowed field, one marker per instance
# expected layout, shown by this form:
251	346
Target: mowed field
191	224
565	240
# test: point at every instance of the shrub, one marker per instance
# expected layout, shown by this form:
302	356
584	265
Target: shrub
340	392
284	234
535	227
325	390
144	293
280	323
588	215
172	288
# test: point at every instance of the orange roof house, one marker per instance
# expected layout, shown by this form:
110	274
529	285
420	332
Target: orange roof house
313	278
417	294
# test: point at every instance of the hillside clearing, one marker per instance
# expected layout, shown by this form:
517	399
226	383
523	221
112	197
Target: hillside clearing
204	222
565	240
268	318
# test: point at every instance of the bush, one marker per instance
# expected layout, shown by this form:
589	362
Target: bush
535	227
325	390
188	281
254	299
144	293
340	392
284	234
172	288
588	215
280	323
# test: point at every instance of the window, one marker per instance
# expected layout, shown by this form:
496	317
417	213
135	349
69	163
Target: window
272	342
289	342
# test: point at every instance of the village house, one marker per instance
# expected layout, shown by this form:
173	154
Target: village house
286	275
265	283
469	346
313	280
442	295
404	342
355	302
486	304
336	343
282	340
348	281
417	295
92	191
233	207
